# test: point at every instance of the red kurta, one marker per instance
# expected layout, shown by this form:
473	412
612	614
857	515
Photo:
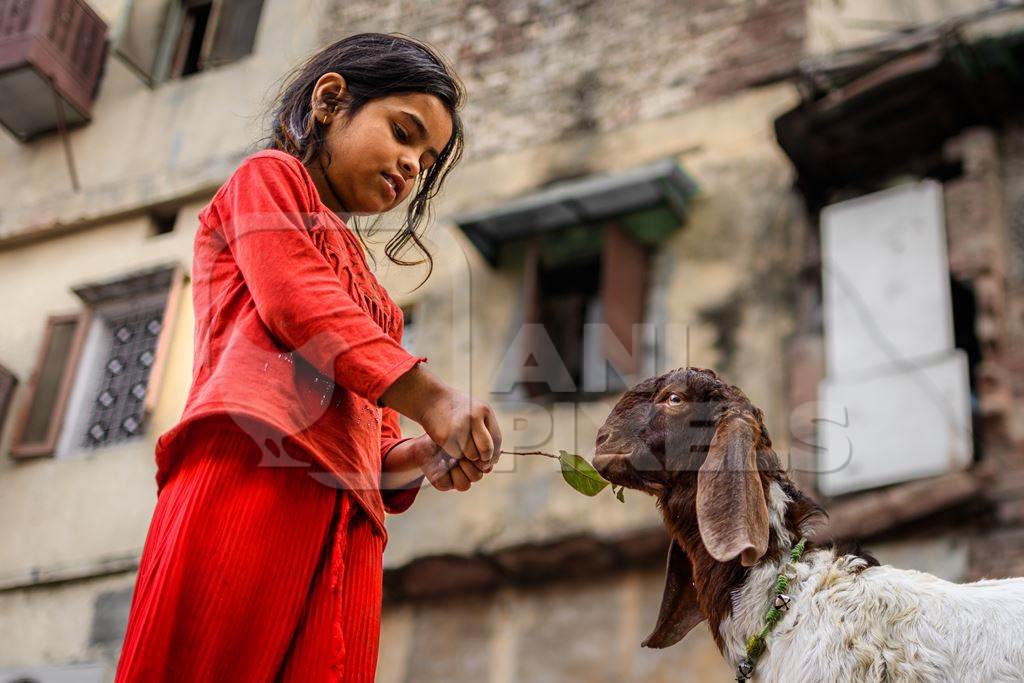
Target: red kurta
276	462
292	328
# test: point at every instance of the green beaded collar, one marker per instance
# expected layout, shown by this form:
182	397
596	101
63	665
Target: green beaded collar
780	603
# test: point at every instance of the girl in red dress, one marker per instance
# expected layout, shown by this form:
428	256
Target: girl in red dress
263	557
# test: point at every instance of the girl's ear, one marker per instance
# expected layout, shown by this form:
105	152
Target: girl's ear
329	95
731	511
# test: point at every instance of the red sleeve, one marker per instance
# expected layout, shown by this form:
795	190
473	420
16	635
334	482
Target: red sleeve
398	500
263	216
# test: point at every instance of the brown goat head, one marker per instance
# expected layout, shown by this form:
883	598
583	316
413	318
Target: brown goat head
700	447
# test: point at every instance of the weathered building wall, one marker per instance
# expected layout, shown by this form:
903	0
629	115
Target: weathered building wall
542	71
557	89
1004	162
835	25
96	505
611	106
150	145
719	277
82	521
588	629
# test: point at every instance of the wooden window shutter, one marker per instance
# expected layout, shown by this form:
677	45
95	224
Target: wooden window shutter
142	36
163	343
8	383
50	384
624	264
234	34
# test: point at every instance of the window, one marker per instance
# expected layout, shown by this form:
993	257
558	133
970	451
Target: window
162	221
8	383
965	338
584	246
189	47
163	39
96	377
128	340
116	385
36	434
584	303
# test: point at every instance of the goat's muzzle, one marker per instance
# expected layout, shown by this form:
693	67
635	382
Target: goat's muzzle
607	464
617	468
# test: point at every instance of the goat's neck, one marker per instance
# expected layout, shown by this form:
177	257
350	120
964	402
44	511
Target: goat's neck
734	598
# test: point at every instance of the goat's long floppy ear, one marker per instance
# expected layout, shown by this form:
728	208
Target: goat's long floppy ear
731	510
679	611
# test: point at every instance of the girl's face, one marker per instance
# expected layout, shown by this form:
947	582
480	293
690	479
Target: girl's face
377	154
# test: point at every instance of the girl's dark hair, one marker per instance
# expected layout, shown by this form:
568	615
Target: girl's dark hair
374	65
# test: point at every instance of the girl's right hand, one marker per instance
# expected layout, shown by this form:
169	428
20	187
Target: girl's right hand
466	429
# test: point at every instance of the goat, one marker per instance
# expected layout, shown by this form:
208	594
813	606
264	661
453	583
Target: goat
701	449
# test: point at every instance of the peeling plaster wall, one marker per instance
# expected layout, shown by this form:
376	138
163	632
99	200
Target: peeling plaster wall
556	89
834	25
515	635
147	145
735	250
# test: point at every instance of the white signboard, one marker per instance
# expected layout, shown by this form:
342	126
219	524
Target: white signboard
885	276
911	423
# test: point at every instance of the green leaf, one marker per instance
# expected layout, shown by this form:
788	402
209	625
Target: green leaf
619	494
580	474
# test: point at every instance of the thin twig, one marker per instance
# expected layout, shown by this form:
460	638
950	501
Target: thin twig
546	455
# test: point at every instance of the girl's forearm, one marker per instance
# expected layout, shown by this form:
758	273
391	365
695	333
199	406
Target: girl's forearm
414	392
401	466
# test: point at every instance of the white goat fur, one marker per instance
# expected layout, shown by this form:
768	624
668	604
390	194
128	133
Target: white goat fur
849	622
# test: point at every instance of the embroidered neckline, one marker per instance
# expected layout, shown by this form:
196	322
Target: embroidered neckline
756	644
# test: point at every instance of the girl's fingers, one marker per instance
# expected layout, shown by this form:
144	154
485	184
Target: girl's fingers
471	470
494	431
436	467
453	446
470	443
483	441
442	482
460	444
459	479
439	472
470	452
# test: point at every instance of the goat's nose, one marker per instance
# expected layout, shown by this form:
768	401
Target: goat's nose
602	436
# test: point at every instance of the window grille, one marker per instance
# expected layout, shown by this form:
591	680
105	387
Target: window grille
118	409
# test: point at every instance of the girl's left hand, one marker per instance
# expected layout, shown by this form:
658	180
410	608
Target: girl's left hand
421	456
444	472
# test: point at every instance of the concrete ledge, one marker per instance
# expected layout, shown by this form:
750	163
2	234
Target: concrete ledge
40	576
859	516
864	515
569	557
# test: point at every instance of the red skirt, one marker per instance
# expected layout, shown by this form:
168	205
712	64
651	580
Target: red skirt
253	574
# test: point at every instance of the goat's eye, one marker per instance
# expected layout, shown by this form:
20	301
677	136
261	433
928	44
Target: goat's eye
674	399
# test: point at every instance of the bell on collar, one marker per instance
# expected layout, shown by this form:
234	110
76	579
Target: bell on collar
782	602
745	670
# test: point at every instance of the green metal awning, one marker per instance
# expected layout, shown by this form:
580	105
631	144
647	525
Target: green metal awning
649	202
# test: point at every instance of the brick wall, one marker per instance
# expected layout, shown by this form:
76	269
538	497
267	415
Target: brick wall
978	208
980	205
539	70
